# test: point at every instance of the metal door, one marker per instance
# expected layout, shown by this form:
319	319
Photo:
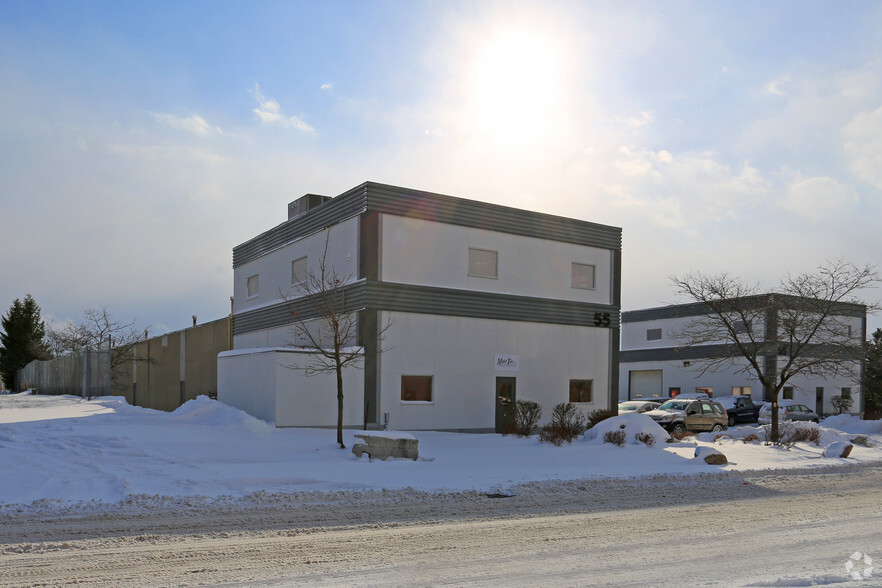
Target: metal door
505	405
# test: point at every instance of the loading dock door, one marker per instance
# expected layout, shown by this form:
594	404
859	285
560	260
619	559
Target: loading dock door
644	384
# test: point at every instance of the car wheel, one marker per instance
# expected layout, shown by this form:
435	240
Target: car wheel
731	420
816	421
717	428
678	428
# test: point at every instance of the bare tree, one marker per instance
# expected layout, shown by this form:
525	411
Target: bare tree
97	331
805	327
326	325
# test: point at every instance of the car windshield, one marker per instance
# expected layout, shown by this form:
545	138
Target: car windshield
629	406
674	405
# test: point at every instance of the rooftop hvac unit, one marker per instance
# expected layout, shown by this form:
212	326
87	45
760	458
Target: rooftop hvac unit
304	204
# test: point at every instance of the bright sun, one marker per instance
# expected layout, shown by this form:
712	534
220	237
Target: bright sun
517	87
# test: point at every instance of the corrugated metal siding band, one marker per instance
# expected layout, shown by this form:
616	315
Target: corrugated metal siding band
699	309
715	351
490	305
440	301
435	207
677	353
325	215
492	217
288	312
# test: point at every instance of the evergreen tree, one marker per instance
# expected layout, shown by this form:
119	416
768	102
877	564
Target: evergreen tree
21	338
873	375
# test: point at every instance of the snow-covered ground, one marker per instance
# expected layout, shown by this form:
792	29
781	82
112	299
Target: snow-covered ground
64	449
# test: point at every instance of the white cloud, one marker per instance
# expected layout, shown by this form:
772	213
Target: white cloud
327	87
269	113
636	121
774	87
862	143
192	124
819	199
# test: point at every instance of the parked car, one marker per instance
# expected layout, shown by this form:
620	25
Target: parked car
691	414
637	406
788	411
740	409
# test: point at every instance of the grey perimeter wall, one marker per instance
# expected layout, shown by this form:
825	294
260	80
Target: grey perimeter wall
166	371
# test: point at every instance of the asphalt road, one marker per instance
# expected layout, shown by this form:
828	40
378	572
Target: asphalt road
795	529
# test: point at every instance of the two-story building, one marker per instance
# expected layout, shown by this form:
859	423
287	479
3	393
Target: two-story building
654	362
484	304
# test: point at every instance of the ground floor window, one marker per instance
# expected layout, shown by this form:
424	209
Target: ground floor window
580	390
740	390
846	392
788	392
416	388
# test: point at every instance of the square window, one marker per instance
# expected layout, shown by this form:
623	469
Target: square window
846	392
483	263
416	388
653	334
741	327
580	390
788	392
298	270
253	285
583	276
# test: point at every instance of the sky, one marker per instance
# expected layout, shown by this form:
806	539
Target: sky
141	141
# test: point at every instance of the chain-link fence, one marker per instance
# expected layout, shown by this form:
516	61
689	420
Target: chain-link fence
83	374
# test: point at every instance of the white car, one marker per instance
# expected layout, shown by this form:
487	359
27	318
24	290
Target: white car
637	406
788	410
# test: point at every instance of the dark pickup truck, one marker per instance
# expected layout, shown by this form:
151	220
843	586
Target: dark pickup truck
741	409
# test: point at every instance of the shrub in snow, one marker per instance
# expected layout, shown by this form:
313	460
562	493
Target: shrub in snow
838	449
841	403
862	441
647	439
790	433
567	423
616	437
680	435
595	416
527	415
752	438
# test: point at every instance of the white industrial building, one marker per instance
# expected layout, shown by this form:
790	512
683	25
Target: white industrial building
654	364
488	304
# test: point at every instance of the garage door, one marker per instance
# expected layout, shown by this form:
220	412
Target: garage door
645	384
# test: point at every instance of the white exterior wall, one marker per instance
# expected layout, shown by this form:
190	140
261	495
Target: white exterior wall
459	353
274	268
416	251
262	383
675	374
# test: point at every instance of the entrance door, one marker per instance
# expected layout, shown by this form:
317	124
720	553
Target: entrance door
505	405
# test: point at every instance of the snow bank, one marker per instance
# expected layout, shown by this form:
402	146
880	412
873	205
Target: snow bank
851	424
632	424
204	411
70	450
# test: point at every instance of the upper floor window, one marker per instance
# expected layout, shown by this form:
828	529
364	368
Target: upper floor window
253	286
483	263
583	276
741	326
653	334
298	270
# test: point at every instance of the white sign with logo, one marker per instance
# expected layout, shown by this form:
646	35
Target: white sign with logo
510	363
